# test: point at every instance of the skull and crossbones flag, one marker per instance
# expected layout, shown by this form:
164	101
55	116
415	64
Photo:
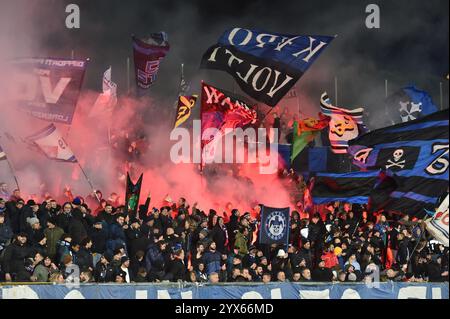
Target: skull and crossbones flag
415	157
409	103
275	225
344	124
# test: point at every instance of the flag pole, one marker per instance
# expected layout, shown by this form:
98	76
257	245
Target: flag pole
13	173
385	88
336	90
128	75
88	180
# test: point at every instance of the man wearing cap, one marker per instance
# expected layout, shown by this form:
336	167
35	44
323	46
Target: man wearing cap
15	255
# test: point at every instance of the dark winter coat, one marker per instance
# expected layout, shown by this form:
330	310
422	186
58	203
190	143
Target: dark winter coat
14	257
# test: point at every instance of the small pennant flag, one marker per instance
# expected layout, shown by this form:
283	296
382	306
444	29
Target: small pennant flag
185	105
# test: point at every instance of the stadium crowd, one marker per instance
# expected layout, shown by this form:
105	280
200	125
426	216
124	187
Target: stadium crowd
53	242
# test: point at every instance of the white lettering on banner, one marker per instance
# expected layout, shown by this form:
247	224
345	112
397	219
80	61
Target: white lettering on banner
232	58
283	42
252	295
162	294
254	73
286	81
350	294
315	294
440	165
141	294
261	43
53	292
249	72
213	96
243	42
29	85
311	51
19	292
186	294
275	293
212	57
62	63
256	78
74	294
412	293
436	293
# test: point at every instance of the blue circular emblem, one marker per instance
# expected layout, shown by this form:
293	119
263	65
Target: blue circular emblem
275	225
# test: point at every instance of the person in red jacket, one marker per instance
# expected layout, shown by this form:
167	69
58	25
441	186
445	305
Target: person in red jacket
329	257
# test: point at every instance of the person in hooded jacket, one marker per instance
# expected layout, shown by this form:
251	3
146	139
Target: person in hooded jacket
322	273
133	234
84	255
44	213
306	254
77	227
155	260
6	233
15	255
219	235
29	211
176	270
232	227
14	209
137	262
53	234
212	259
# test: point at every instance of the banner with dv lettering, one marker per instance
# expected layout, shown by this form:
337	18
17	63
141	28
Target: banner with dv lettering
48	88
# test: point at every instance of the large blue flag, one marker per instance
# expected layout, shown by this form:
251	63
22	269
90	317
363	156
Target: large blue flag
409	104
265	65
275	225
415	155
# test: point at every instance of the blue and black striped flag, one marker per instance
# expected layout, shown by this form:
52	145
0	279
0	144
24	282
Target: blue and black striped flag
414	156
354	187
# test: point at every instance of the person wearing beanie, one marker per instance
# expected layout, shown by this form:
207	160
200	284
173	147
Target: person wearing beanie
123	269
29	211
38	243
76	202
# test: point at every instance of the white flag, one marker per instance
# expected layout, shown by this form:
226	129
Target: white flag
107	100
438	225
50	141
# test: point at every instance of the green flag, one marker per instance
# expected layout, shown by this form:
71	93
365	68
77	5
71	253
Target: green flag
300	140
